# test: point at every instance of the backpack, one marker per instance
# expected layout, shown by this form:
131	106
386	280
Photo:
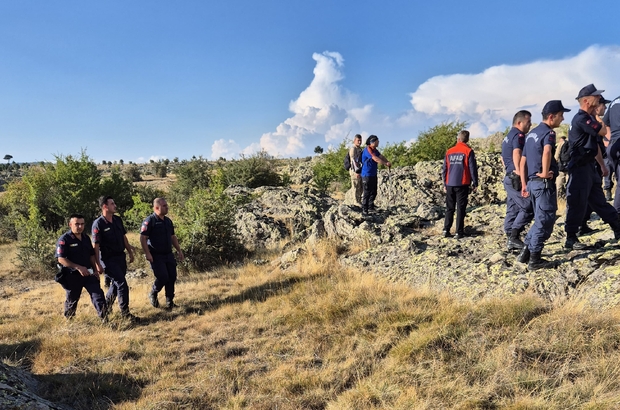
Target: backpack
357	159
564	157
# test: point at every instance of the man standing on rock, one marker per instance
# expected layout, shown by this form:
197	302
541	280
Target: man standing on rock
76	256
519	212
537	169
157	239
584	184
371	158
460	175
355	158
110	241
612	120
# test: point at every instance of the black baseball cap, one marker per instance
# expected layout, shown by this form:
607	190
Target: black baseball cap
588	90
554	106
602	100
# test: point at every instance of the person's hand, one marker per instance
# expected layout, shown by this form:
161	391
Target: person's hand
83	271
131	258
524	192
180	256
99	269
604	170
473	188
548	175
445	189
388	164
148	257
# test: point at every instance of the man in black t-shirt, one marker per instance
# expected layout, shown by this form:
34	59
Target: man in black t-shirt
157	239
76	258
110	242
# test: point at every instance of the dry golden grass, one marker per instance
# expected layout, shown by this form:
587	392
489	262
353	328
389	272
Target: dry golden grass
312	337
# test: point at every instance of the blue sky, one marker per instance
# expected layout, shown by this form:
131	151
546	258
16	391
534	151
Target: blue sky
136	80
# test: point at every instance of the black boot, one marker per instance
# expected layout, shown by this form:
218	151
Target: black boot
608	196
536	262
169	304
573	243
514	243
153	298
524	256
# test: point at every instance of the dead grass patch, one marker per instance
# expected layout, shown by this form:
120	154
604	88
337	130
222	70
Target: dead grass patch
314	336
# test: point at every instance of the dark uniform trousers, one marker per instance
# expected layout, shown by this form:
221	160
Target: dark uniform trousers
583	189
608	181
165	269
370	193
545	203
116	269
519	211
456	198
73	285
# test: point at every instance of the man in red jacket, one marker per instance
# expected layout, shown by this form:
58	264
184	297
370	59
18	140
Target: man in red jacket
460	175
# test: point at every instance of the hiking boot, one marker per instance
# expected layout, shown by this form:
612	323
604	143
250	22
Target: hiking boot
536	262
169	304
524	256
107	281
585	230
573	243
153	299
109	304
104	319
608	196
446	234
459	235
515	244
131	318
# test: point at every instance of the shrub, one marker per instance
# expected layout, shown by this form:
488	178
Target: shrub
35	251
132	173
432	144
194	174
330	169
142	206
206	228
256	170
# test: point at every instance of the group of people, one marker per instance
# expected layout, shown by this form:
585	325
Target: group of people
533	179
82	259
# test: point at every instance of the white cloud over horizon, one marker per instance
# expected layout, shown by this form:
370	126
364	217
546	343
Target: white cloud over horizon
488	100
326	112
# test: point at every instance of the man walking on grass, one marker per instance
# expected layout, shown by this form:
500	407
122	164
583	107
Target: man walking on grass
110	242
157	239
76	258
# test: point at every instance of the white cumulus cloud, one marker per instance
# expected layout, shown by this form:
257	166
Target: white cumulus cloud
489	99
224	149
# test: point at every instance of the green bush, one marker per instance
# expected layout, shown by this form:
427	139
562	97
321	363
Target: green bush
142	200
433	143
35	251
330	169
206	228
253	171
193	174
132	173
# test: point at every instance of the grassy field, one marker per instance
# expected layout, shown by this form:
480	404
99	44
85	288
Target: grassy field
316	336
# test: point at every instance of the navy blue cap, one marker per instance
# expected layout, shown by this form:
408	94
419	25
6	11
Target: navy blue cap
602	100
554	106
588	90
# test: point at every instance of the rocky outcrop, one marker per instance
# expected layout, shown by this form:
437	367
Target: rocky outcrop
16	391
277	214
402	241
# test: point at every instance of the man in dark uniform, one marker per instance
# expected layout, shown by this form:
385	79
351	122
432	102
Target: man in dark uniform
584	184
157	239
612	120
537	169
110	242
76	256
519	210
460	175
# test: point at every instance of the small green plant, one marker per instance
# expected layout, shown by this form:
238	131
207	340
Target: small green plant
253	171
206	228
